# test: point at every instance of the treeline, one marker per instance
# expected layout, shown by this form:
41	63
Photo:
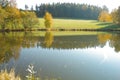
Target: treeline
12	18
69	10
116	15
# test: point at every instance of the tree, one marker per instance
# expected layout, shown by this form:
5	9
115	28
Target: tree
32	8
26	7
118	15
48	20
2	18
105	8
29	19
114	16
13	17
69	10
105	17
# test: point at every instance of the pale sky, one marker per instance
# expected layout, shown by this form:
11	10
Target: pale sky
111	4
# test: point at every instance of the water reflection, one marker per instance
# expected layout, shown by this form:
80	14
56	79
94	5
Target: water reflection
27	40
103	38
115	42
73	55
9	47
11	43
48	40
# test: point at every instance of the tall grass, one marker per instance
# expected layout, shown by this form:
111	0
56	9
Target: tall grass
5	75
10	75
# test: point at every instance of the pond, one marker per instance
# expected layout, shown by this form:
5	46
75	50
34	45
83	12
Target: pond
60	56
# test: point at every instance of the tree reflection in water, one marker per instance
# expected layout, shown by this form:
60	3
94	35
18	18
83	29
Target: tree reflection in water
115	42
48	40
12	43
103	38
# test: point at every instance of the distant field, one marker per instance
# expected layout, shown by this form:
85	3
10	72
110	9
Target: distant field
78	24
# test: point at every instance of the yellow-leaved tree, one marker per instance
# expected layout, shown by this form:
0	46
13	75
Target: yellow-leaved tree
48	20
13	19
105	17
48	39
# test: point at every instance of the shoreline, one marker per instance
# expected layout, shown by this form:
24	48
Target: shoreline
61	29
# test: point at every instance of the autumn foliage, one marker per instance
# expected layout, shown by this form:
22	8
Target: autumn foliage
104	16
104	37
48	20
48	39
12	18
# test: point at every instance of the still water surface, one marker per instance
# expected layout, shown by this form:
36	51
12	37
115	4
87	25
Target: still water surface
73	57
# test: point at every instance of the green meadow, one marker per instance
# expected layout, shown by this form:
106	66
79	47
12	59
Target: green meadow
79	24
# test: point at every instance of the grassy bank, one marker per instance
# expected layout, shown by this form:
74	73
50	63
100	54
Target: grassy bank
79	24
72	25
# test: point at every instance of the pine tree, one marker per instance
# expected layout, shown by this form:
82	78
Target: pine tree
26	7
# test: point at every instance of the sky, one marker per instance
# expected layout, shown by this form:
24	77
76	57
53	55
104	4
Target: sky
111	4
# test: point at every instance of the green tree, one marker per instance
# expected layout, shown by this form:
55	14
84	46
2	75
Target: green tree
2	18
48	20
70	10
118	15
13	17
114	16
29	20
